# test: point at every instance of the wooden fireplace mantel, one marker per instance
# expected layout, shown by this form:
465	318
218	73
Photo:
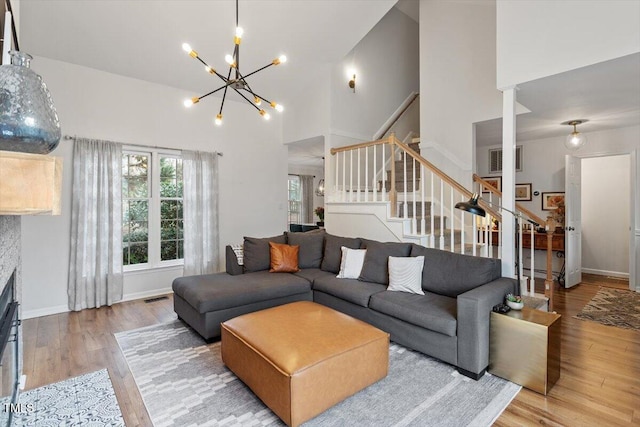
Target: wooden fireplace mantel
30	184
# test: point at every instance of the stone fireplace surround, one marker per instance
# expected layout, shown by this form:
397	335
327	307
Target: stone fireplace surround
10	261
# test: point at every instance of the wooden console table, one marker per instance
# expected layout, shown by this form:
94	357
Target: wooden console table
539	240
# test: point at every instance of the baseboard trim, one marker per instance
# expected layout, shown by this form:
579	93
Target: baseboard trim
48	311
605	273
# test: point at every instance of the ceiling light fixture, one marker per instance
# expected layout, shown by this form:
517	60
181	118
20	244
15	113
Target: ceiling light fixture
575	139
238	82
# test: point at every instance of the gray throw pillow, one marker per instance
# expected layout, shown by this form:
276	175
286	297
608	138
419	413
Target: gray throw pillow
257	256
376	262
311	245
333	251
450	274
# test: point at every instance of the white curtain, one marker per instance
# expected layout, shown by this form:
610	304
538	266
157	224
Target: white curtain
306	182
95	267
201	240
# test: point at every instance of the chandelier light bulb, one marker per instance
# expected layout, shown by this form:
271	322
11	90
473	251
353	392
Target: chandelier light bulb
186	47
189	102
257	101
229	59
265	115
239	32
279	108
218	120
282	59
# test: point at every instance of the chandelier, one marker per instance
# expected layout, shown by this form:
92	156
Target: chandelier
235	79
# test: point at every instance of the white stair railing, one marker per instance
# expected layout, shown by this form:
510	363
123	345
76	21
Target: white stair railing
494	196
426	196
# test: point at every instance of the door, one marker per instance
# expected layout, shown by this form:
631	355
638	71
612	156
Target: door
573	226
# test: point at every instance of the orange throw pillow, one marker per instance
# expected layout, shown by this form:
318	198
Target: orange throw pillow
284	258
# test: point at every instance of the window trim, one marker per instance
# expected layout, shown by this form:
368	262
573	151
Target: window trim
154	236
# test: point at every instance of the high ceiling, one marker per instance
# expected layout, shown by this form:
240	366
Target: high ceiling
607	94
143	39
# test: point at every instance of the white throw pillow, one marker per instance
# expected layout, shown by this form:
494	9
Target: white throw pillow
405	274
351	264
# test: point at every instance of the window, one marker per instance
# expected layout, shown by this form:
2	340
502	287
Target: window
295	200
152	218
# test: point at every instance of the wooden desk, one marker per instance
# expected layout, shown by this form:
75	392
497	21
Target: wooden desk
539	240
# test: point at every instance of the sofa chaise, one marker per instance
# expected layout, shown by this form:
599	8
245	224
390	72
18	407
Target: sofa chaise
449	322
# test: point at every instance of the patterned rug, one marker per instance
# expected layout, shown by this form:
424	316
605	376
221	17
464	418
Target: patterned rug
613	307
184	382
87	400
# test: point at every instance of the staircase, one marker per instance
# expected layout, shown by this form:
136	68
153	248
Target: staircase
385	190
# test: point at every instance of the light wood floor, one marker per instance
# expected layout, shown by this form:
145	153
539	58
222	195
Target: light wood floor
599	383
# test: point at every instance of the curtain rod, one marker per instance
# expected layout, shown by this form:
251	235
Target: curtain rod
67	137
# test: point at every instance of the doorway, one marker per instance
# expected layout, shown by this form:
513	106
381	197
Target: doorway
606	200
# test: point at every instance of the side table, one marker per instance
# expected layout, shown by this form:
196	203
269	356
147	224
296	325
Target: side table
524	347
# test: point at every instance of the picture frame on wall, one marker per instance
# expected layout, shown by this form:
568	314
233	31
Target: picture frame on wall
495	181
523	192
551	201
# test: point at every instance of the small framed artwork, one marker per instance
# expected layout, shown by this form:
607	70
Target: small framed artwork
523	192
495	181
551	201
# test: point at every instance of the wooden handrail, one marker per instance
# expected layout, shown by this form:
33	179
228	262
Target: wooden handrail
519	207
361	145
443	176
398	115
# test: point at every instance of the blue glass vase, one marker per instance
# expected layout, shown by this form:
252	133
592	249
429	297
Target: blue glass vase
28	120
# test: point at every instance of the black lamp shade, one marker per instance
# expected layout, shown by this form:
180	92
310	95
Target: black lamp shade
471	206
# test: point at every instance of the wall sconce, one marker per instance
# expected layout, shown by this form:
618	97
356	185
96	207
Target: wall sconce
575	139
352	83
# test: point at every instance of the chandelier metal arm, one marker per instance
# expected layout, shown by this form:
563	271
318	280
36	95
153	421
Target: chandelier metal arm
212	69
246	99
258	70
248	89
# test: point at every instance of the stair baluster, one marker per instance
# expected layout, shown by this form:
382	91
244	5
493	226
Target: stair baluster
366	174
422	210
432	229
358	178
375	177
441	214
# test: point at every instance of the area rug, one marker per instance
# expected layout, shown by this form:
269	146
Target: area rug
183	381
87	400
613	307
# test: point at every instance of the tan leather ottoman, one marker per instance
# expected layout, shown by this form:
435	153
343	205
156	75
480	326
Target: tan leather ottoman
302	358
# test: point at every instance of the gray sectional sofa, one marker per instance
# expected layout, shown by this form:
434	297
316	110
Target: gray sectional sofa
450	322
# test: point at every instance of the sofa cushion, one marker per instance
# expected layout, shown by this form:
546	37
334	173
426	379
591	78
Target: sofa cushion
256	252
376	261
352	290
221	291
405	274
451	274
351	263
431	311
312	274
284	258
332	252
311	246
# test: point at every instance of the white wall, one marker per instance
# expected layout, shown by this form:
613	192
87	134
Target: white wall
96	104
605	215
307	106
543	166
386	62
457	80
538	38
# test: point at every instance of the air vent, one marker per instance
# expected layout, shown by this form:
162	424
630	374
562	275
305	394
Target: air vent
495	159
